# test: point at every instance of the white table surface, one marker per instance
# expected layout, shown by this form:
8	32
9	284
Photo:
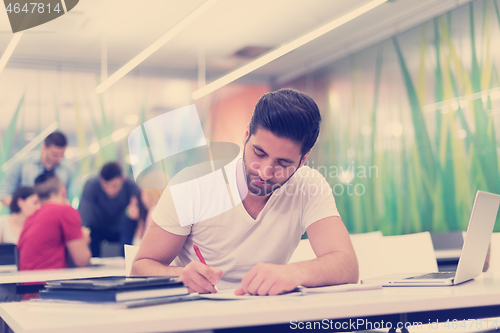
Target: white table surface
59	274
210	314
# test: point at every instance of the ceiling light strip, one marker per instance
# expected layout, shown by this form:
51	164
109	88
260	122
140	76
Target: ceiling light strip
155	46
10	48
493	93
98	145
280	51
104	58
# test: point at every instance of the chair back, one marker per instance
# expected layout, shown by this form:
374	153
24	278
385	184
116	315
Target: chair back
494	265
130	253
410	253
9	257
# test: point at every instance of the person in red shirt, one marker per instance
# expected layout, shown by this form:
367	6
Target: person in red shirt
54	232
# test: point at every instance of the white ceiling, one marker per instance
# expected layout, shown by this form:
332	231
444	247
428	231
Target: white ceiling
74	40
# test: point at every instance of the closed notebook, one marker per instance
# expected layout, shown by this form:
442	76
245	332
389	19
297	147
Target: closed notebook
115	282
111	295
113	289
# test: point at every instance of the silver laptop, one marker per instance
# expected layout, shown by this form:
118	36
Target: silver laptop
470	265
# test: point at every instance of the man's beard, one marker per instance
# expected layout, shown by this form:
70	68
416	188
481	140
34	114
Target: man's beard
268	187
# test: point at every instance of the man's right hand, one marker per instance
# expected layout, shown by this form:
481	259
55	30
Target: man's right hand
132	210
200	278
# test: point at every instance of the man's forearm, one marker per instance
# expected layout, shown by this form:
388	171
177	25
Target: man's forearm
83	259
79	252
333	268
150	267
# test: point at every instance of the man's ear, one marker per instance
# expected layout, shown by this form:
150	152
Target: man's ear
247	134
304	158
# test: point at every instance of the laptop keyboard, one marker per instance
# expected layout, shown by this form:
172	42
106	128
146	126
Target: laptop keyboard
437	275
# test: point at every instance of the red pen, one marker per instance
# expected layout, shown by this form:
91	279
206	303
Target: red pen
202	260
198	253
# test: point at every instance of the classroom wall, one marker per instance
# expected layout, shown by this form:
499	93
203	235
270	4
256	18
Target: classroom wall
411	125
97	126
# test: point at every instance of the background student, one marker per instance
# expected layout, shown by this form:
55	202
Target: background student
24	171
54	231
111	207
23	204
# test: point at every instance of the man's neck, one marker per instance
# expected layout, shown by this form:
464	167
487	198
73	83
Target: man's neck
252	203
18	218
45	163
256	199
53	200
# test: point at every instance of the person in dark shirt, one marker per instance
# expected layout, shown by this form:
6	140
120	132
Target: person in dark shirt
111	207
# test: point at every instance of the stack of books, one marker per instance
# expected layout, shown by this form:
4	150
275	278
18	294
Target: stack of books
116	289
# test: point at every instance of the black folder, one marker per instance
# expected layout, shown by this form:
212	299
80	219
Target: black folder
116	282
113	289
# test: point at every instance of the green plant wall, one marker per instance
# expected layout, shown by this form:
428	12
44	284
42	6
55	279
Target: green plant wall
421	111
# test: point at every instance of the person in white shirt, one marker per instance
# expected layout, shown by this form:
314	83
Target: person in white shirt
277	198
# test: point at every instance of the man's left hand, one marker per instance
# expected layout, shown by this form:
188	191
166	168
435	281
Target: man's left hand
268	279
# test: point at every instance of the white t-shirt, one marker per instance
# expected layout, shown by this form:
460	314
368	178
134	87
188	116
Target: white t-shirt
7	235
211	213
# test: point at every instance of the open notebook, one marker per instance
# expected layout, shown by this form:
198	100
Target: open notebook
154	300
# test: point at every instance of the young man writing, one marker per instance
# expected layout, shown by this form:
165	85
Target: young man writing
248	246
54	231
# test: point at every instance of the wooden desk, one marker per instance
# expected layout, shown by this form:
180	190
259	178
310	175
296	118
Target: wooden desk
471	300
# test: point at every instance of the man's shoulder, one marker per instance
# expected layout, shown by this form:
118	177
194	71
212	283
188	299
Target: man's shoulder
48	212
55	207
92	181
30	158
306	182
63	165
129	182
307	174
130	187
